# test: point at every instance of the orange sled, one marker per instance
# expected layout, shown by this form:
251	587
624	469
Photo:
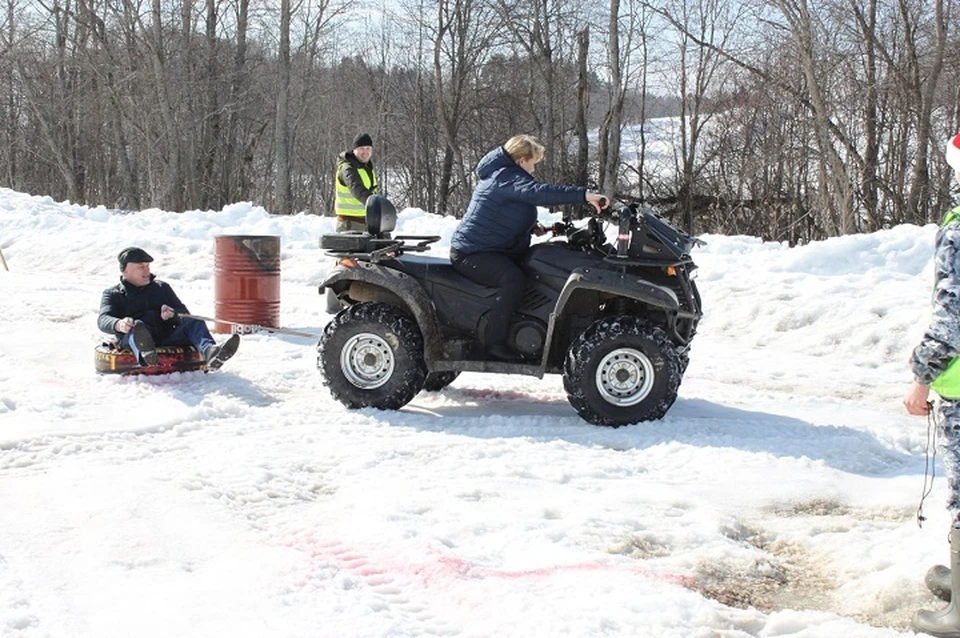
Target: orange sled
108	358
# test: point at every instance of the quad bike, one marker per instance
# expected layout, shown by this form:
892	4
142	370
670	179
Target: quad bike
614	318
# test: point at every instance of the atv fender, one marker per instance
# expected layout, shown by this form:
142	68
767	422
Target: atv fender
615	283
620	284
397	289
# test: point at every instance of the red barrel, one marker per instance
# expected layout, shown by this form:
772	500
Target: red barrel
246	283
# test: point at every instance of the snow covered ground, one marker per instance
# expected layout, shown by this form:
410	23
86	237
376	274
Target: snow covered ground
777	498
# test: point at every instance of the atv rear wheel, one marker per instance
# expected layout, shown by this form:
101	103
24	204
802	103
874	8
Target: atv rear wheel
621	370
371	355
437	381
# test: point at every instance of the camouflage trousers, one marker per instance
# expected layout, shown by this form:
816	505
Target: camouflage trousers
949	434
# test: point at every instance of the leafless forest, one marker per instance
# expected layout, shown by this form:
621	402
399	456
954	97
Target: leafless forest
795	119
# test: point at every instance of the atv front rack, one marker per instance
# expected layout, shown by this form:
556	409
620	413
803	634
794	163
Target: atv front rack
627	260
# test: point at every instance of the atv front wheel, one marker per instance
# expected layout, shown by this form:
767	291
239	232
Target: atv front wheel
621	370
371	355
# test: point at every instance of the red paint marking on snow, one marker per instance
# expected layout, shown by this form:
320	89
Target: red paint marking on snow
464	568
445	568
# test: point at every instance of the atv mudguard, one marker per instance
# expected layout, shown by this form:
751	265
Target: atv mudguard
615	283
400	285
621	284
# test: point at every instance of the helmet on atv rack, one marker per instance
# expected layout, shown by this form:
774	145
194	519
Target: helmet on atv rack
381	215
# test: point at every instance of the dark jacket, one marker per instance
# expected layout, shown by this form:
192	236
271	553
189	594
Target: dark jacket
143	303
503	209
347	171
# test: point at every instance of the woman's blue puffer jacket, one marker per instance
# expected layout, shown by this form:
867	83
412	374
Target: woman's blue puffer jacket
503	208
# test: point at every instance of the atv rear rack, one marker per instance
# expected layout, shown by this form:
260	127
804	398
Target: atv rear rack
365	247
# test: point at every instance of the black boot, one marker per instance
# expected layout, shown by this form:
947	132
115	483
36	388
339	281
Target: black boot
143	340
216	355
946	622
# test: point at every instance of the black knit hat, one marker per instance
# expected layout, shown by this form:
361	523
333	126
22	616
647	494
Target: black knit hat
133	255
363	139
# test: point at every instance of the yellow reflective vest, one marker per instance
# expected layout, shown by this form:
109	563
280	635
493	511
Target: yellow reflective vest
345	204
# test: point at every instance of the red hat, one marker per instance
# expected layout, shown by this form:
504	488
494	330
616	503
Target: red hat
953	152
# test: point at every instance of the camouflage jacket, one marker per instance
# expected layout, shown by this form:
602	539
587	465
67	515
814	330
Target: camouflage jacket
941	341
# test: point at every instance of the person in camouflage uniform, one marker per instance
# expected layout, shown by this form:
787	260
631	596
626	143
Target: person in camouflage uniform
935	366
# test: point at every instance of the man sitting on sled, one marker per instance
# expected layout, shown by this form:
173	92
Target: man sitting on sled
143	313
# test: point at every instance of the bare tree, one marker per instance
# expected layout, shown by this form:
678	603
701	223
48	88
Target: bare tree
464	34
239	83
610	128
539	29
625	54
281	135
924	74
809	119
705	28
583	103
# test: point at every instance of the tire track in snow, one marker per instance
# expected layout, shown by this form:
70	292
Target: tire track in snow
422	589
385	590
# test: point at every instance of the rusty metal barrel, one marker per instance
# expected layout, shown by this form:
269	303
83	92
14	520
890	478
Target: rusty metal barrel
246	283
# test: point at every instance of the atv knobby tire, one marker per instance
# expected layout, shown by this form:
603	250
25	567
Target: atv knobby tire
621	370
437	381
371	355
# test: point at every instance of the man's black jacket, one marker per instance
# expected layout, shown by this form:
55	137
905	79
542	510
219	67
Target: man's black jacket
139	302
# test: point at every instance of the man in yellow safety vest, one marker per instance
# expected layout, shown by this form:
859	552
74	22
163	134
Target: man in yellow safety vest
355	181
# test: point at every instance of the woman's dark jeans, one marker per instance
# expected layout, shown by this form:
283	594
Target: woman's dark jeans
496	270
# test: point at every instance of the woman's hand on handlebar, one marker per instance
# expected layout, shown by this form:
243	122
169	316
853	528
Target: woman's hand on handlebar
598	201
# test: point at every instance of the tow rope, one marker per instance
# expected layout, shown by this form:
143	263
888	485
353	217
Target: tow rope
249	328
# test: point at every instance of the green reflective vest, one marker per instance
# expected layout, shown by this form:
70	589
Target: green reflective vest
345	204
947	384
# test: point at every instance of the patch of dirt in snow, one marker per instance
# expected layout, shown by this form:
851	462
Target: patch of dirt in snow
771	574
820	507
641	546
815	507
776	575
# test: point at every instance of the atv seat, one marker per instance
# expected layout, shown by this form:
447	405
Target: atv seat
440	271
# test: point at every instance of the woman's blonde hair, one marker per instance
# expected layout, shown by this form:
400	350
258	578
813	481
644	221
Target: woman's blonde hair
524	147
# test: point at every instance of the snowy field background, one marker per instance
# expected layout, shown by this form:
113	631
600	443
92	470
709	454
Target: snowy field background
776	498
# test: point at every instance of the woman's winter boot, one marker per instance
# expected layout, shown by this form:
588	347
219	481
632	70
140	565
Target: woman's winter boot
938	582
946	622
